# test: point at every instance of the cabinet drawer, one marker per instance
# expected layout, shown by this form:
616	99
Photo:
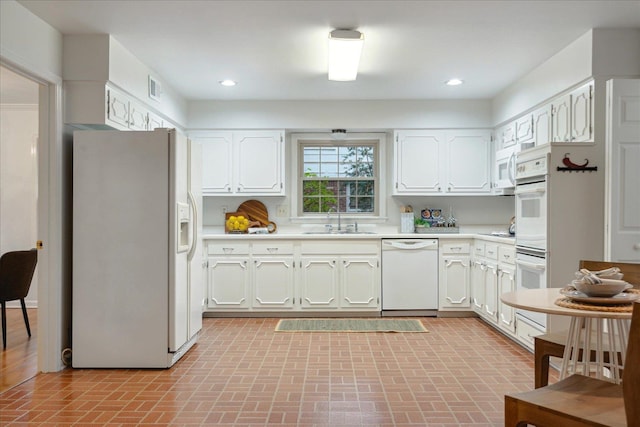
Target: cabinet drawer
228	248
526	332
273	248
491	251
507	254
455	248
336	247
478	248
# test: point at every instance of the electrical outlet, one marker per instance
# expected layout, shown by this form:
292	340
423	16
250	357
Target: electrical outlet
282	211
224	210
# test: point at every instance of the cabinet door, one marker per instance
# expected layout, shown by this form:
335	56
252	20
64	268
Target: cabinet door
468	161
360	283
228	283
478	270
542	125
418	164
117	108
454	282
216	162
273	283
137	117
507	135
491	292
561	119
506	313
524	132
319	283
154	122
259	162
581	114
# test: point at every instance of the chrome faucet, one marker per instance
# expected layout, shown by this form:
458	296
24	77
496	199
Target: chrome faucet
333	209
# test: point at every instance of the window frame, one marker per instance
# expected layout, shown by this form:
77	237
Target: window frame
377	140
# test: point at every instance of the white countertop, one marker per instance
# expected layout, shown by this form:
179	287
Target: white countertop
296	233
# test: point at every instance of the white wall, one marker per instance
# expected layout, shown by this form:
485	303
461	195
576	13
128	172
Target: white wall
350	115
29	42
567	68
19	182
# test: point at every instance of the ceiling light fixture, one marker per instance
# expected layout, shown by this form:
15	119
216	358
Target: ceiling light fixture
345	47
228	82
453	82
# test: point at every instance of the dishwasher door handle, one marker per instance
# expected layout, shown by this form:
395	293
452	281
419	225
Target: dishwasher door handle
411	245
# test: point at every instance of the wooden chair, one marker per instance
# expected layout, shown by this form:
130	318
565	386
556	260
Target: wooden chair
552	344
16	273
584	401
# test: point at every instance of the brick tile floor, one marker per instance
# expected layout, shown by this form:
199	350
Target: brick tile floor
242	373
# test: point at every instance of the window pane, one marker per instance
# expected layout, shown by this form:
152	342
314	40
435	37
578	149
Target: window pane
329	170
311	169
338	177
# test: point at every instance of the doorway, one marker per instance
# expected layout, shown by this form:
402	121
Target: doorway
19	131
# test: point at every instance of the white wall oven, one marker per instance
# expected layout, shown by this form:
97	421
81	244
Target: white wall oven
531	196
531	273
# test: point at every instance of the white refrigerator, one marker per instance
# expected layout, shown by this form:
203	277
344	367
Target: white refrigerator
137	272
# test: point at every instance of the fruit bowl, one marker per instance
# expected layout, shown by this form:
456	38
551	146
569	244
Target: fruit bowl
608	287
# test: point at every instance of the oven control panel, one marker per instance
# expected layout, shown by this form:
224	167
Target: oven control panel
531	168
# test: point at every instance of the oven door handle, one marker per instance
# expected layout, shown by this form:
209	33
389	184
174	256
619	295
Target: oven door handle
522	191
532	265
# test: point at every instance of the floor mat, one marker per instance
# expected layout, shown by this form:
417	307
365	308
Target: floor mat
350	325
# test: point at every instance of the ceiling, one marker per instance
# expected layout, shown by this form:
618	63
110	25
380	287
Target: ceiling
277	50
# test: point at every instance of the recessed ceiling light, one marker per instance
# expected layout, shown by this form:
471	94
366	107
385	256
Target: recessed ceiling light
453	82
228	82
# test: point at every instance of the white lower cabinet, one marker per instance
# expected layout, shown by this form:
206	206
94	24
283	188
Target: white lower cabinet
492	274
360	283
228	276
288	275
454	275
272	279
346	277
318	286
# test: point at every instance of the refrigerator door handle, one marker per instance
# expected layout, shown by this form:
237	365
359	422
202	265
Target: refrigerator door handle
194	226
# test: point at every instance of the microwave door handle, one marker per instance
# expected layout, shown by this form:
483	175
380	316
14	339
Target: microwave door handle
511	168
531	265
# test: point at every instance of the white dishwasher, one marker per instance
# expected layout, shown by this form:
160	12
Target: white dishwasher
409	277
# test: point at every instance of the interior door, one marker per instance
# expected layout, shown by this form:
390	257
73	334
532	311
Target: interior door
622	241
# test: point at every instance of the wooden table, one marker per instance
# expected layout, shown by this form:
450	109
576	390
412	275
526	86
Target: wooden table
610	330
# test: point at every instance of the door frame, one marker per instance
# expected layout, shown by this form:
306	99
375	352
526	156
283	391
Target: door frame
53	314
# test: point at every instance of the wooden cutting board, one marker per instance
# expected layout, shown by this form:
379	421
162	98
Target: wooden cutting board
257	211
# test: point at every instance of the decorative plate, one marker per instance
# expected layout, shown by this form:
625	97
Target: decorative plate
621	298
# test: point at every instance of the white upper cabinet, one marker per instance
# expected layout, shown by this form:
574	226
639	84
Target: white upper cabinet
138	116
217	158
572	119
506	136
542	125
468	161
582	114
432	162
98	105
524	132
242	163
417	161
259	162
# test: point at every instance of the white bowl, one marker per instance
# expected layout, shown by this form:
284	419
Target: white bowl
608	287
